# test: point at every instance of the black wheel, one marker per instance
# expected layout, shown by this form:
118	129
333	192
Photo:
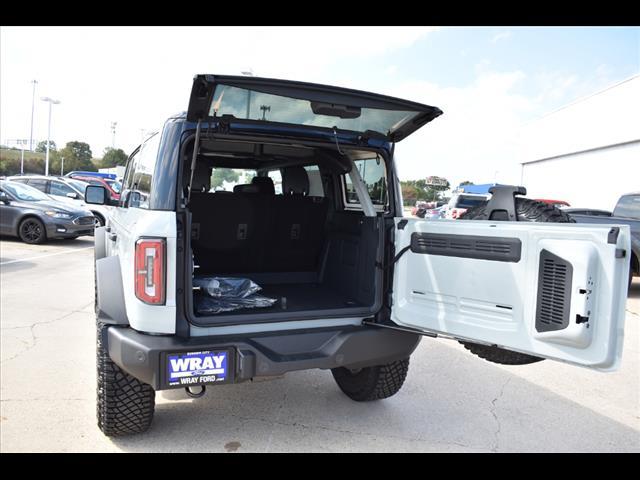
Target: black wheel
32	230
125	404
527	211
372	383
98	220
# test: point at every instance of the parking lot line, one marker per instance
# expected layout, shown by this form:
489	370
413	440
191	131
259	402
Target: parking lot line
47	255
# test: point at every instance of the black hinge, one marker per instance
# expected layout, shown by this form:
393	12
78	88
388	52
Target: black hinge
402	223
612	237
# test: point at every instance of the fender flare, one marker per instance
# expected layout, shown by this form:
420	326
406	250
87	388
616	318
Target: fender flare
110	306
100	244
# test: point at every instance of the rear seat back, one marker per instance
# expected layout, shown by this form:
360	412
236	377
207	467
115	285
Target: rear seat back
298	228
253	230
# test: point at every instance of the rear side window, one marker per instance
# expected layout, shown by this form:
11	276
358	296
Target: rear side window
628	206
59	188
374	176
139	176
38	183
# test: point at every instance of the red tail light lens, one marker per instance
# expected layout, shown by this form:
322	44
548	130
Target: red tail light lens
150	270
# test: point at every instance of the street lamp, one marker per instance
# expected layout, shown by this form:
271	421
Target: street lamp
54	102
33	101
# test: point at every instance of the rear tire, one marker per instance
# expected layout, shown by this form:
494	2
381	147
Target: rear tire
372	383
526	211
125	404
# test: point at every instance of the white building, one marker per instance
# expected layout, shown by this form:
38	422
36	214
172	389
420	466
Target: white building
588	152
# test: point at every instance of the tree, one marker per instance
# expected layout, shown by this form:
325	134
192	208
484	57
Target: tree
42	146
221	175
113	157
466	182
77	156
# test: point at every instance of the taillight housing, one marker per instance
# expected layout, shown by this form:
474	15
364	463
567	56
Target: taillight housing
150	266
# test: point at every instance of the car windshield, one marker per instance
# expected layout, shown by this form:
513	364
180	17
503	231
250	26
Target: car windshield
466	201
24	192
114	185
255	105
79	185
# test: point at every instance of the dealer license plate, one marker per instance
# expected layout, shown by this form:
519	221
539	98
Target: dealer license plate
197	368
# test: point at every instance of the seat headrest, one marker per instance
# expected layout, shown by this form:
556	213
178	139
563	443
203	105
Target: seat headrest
246	188
201	178
295	181
264	184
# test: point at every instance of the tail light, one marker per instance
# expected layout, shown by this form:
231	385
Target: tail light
150	270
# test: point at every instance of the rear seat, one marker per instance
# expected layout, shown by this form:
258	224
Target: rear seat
297	237
254	230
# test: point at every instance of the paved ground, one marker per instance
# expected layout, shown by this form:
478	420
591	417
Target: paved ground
452	401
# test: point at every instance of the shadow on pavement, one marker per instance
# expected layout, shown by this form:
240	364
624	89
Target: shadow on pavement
466	406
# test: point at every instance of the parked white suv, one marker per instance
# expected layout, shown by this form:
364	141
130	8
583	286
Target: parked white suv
197	285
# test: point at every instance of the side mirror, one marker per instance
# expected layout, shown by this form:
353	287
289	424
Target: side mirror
72	195
4	198
95	194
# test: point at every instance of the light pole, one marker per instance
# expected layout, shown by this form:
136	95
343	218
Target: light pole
62	167
113	134
54	102
33	102
248	73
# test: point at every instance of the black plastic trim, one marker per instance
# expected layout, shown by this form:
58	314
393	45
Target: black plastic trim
500	249
111	308
554	292
267	354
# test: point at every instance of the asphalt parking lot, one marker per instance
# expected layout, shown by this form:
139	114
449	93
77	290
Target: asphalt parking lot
451	401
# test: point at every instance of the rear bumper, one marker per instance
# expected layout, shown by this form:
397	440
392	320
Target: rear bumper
143	356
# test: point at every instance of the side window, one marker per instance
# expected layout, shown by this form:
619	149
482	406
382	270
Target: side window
59	188
276	176
315	181
140	173
19	180
374	176
628	206
38	183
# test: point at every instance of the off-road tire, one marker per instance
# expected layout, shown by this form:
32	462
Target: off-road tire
125	404
372	383
527	210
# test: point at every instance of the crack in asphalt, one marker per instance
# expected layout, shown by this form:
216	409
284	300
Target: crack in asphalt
496	434
34	338
385	436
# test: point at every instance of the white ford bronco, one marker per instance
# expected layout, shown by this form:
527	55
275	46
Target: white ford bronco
291	188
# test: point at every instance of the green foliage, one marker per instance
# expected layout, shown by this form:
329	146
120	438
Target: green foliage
466	182
428	189
113	157
10	162
77	156
221	175
42	146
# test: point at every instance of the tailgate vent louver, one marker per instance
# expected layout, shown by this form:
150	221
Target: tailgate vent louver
554	292
502	249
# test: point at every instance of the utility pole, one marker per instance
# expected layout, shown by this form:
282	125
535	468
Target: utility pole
62	167
51	102
33	100
113	134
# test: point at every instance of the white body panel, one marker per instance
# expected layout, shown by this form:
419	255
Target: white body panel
129	224
495	302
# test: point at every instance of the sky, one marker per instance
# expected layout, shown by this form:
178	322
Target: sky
489	81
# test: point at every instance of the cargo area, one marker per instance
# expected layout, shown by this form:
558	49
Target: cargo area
286	230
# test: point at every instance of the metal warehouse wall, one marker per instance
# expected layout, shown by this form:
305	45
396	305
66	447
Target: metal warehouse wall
594	179
587	152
